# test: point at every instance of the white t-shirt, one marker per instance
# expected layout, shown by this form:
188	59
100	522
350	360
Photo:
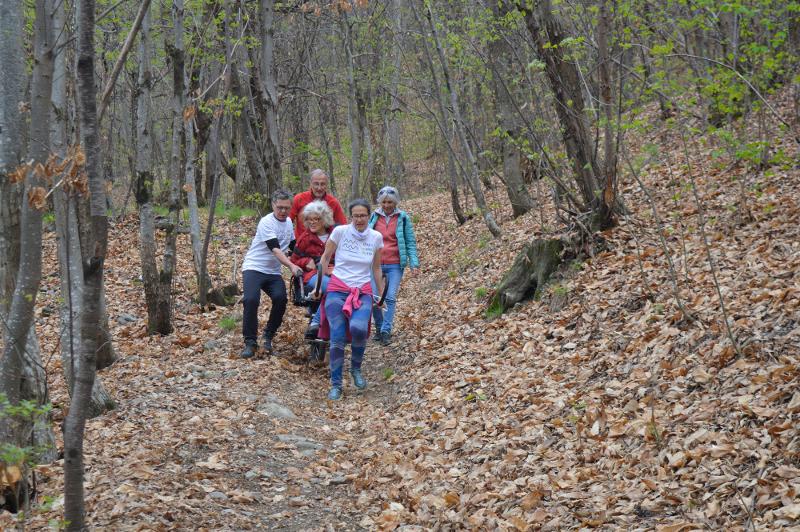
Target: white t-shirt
354	253
259	257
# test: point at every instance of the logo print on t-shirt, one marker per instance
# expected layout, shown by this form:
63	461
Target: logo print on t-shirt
359	247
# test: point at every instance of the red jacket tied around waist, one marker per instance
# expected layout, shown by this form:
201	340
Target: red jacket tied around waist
352	302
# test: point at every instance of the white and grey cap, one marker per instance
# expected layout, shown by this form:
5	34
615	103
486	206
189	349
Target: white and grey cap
389	193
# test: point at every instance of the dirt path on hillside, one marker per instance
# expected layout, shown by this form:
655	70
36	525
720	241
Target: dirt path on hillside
294	446
215	442
604	410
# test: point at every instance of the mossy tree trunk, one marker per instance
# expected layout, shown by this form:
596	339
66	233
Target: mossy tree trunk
532	267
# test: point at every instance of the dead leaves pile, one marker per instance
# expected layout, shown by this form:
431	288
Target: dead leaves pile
600	404
612	409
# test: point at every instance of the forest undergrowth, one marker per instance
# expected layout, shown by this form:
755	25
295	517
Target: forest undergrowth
601	403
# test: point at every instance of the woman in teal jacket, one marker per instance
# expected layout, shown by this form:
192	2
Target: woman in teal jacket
399	251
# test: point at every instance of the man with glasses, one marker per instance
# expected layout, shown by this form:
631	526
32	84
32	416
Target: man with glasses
261	271
318	191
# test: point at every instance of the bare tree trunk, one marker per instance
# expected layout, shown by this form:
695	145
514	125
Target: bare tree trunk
67	231
794	45
298	165
548	33
510	128
472	178
369	167
353	122
214	170
476	134
269	91
188	114
69	260
26	287
157	285
395	168
248	135
323	132
21	371
75	422
145	178
12	85
436	87
607	101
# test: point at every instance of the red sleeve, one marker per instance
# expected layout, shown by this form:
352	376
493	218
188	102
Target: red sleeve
338	213
295	210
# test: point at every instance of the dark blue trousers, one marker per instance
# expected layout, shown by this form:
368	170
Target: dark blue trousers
272	285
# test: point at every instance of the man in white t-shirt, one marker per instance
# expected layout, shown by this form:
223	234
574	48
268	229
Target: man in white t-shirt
261	271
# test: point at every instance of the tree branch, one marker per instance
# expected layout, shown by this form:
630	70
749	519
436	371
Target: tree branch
121	59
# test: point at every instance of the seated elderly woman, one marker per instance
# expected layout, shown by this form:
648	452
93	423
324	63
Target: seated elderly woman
318	221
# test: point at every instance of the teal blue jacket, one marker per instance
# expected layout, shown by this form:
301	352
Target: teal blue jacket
406	241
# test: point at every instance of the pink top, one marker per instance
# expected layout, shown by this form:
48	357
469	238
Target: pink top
391	251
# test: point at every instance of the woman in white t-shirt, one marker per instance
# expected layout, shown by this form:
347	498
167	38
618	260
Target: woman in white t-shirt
348	301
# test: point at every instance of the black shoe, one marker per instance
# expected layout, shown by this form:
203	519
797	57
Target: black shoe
267	344
386	338
377	336
249	351
311	332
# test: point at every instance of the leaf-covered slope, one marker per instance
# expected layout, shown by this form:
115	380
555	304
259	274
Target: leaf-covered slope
610	408
600	404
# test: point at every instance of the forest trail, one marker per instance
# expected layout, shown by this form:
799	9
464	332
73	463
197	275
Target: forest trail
652	382
205	438
597	405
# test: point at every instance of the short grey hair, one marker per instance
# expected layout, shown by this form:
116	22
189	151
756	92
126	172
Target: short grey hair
281	194
389	193
321	209
316	172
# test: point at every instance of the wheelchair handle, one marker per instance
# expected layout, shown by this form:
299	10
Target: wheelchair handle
318	284
385	291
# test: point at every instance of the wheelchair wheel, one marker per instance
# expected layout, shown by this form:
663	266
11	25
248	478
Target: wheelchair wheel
316	353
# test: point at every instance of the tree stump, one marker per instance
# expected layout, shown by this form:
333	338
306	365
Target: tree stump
223	297
532	267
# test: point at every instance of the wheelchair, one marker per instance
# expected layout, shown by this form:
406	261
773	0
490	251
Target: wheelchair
317	348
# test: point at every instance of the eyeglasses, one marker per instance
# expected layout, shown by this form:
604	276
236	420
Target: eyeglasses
359	216
387	190
282	208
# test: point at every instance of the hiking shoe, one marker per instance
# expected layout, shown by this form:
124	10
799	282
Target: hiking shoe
311	332
386	338
358	379
267	344
335	394
249	350
377	336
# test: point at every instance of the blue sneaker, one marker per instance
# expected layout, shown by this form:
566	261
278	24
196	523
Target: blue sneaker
358	379
335	394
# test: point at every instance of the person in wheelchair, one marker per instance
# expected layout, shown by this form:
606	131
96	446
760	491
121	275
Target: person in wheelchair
318	223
